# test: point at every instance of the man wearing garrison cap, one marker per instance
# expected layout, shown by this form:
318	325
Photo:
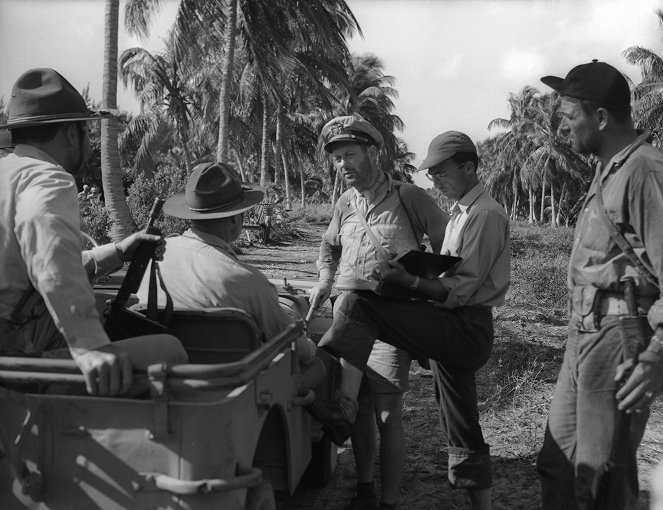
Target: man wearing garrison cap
396	215
452	324
47	307
614	277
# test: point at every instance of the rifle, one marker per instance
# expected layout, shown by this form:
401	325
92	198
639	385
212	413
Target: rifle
121	322
612	474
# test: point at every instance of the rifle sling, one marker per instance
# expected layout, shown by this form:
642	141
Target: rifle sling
152	300
621	241
378	246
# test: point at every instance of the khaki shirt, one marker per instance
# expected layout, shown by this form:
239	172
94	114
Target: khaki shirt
348	247
632	192
40	246
478	232
201	270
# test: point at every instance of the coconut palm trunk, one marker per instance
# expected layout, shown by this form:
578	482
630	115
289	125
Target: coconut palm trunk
553	211
122	224
302	181
226	82
288	201
264	159
543	197
278	140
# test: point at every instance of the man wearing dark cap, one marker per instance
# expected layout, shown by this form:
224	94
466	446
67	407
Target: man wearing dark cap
46	303
200	268
398	214
617	249
452	326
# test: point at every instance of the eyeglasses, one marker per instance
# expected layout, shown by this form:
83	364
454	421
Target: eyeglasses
441	175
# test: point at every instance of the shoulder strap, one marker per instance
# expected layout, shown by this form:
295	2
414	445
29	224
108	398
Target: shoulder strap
152	300
621	241
378	246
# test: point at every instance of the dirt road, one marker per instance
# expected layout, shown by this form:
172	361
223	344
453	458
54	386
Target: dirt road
514	394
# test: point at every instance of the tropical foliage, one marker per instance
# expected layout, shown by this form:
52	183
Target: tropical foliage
252	82
529	162
648	94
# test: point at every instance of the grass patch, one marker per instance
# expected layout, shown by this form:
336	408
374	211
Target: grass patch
539	261
312	213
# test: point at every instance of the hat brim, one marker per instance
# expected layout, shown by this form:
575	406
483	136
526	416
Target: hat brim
176	205
38	120
554	82
435	160
349	138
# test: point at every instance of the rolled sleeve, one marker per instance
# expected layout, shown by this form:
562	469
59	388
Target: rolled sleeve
101	260
330	250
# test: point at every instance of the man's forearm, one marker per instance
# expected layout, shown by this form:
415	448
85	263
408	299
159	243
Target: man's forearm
328	260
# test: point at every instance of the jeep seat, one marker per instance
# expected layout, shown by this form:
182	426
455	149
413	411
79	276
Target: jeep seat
212	335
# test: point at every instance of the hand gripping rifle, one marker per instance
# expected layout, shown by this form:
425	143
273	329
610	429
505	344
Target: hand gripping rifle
121	322
612	474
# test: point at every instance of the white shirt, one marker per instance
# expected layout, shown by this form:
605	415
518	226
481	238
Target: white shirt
478	232
40	246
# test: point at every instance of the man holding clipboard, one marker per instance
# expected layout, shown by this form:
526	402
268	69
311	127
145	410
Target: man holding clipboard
454	327
374	220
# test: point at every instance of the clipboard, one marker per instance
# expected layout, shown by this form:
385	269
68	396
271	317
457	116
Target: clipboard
426	264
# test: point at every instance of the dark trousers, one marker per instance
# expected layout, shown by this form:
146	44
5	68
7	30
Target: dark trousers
582	420
458	340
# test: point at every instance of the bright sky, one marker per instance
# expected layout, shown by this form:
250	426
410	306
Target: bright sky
455	61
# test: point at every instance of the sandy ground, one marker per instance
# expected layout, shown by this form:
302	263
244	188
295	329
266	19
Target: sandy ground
513	416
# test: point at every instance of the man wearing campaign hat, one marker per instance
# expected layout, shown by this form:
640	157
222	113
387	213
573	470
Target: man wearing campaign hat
46	303
399	214
452	326
6	146
200	268
617	250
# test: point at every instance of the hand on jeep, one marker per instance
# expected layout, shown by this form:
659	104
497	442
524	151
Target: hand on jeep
128	246
319	294
107	370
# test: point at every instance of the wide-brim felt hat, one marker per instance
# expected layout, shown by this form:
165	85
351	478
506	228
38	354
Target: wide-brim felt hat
44	96
350	128
214	190
446	145
595	81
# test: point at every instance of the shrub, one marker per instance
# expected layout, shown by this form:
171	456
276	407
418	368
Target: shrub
95	220
167	181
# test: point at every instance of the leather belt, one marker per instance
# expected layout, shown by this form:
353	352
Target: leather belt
616	305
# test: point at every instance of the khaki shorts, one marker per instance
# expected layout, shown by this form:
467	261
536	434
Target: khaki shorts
388	369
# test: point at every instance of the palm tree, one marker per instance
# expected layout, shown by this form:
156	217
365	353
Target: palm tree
648	94
165	99
122	223
530	154
371	95
265	31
